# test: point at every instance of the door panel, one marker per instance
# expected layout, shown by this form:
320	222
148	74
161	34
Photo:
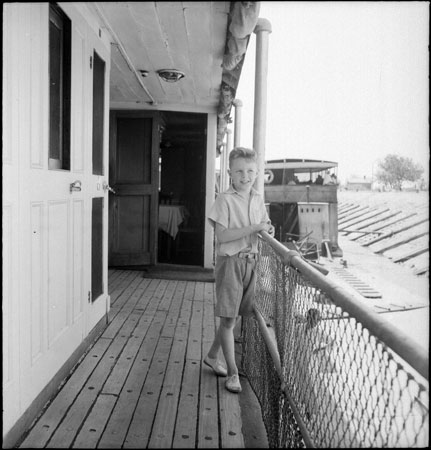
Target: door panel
134	151
134	157
97	248
133	218
97	116
58	268
47	226
78	259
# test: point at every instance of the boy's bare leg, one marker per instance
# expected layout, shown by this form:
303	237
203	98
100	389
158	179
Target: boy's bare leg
225	333
237	331
224	339
217	343
215	346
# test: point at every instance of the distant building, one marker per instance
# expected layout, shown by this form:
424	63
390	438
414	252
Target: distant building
358	184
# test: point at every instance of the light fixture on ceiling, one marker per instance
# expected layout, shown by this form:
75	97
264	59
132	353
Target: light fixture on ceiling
170	75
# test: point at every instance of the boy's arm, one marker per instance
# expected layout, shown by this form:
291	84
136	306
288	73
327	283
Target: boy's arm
224	234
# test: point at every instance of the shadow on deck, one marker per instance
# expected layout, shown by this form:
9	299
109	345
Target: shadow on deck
142	382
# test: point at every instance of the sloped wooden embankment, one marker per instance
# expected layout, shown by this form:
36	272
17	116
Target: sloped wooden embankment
399	233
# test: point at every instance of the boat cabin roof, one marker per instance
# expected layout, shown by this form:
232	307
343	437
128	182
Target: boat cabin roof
300	165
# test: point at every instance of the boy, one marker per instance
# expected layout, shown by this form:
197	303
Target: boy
238	214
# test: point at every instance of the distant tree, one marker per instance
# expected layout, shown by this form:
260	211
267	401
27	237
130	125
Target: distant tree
395	169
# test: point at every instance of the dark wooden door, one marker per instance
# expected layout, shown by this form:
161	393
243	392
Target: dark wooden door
134	176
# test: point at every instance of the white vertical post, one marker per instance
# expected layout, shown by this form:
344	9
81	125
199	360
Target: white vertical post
210	188
222	168
237	130
224	162
262	30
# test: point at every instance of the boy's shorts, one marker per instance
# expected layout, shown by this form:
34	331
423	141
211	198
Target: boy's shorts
235	280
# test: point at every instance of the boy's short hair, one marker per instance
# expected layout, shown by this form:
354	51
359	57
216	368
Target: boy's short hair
242	152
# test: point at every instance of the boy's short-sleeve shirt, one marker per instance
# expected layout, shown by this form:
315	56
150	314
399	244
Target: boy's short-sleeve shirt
231	210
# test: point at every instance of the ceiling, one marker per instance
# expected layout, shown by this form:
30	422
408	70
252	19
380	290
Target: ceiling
188	36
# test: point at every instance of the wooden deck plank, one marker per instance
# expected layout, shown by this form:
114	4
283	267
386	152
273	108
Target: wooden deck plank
117	377
208	319
124	280
230	418
113	275
116	429
194	343
94	424
187	417
51	417
145	298
166	414
160	292
126	302
354	209
131	283
363	220
173	315
229	413
208	431
411	254
372	225
404	226
357	213
65	433
140	427
167	297
136	295
148	301
404	238
141	424
125	289
180	341
346	210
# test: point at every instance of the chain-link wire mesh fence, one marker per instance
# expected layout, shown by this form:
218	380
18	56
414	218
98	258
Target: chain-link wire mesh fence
338	385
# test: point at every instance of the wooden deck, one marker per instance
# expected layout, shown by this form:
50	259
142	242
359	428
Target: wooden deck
142	383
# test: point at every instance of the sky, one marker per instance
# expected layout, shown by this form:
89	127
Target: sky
347	82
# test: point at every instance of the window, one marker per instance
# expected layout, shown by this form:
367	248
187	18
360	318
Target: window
59	88
98	112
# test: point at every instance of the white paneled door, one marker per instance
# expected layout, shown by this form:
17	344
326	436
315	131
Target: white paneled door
48	264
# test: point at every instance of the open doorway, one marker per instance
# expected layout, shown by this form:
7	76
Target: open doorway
182	165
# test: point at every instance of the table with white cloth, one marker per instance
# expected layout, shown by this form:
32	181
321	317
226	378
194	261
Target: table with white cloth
170	218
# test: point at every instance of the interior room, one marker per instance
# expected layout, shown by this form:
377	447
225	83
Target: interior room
182	165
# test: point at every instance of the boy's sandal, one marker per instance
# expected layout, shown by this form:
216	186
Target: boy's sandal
233	385
216	366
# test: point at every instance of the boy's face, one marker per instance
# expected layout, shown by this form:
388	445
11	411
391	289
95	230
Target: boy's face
243	173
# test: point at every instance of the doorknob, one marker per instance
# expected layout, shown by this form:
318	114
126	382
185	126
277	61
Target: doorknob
106	187
75	186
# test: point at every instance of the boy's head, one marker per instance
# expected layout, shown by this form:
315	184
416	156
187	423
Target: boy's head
241	152
243	168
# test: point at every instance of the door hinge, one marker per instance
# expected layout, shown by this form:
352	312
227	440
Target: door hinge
91	62
89	296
